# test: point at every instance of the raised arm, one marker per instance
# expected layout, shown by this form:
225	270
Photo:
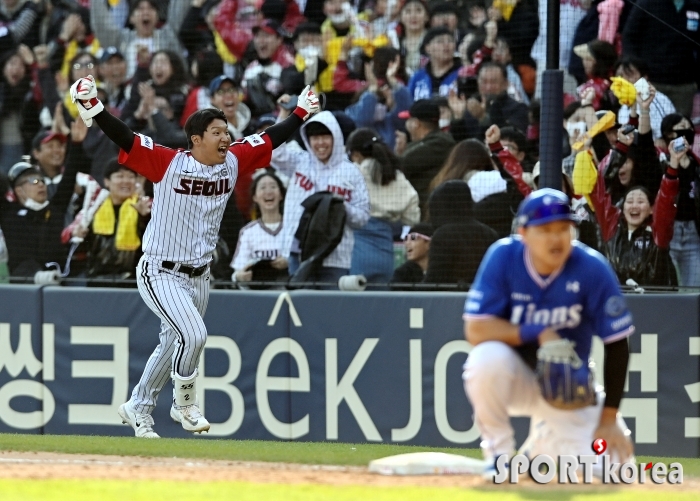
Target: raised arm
101	20
76	161
285	158
605	212
138	152
177	10
665	209
507	161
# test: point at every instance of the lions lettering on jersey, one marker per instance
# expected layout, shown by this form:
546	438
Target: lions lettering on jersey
581	299
558	318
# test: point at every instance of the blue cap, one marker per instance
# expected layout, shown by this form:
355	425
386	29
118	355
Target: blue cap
544	206
216	83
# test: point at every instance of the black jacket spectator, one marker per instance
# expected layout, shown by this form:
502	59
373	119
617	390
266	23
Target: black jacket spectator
194	34
34	236
672	58
503	111
521	31
407	273
422	160
460	241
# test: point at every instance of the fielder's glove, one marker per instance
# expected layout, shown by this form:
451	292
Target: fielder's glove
564	380
84	94
307	104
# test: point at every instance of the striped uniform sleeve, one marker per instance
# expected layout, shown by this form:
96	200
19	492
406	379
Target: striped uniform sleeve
253	152
147	158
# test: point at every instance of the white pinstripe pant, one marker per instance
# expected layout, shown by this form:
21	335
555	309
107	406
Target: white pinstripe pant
180	303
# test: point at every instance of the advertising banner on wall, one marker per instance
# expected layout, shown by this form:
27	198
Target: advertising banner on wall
311	366
23	400
104	338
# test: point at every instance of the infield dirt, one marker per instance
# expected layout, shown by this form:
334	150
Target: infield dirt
46	465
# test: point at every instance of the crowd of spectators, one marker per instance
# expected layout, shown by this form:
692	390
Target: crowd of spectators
429	136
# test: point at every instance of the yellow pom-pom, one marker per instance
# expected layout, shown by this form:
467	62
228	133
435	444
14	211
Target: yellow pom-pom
624	91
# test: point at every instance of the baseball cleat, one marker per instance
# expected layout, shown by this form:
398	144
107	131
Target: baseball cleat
190	417
141	423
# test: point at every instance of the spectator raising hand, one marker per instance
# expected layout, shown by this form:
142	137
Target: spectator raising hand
78	130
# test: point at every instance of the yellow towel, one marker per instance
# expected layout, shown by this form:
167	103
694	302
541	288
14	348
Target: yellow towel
604	123
127	238
585	176
369	46
506	7
624	91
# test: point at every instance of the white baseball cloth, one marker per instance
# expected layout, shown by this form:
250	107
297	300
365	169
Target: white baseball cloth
190	197
660	107
257	242
188	206
308	175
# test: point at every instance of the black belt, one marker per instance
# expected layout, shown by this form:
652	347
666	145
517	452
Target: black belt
183	268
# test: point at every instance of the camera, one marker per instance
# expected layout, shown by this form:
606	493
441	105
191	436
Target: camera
678	144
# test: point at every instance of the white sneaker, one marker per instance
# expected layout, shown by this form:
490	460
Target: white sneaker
141	423
190	417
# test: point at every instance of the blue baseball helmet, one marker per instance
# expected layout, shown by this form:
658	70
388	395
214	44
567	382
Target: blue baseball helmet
544	206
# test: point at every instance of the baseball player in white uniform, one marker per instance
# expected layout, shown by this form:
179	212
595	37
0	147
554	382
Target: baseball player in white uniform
191	189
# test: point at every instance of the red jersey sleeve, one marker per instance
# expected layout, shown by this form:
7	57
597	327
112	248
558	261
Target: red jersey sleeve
253	152
147	158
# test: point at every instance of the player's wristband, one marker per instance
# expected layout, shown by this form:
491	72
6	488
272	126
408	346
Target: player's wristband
300	112
530	333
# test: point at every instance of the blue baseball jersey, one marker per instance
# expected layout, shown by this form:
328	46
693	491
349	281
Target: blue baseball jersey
583	298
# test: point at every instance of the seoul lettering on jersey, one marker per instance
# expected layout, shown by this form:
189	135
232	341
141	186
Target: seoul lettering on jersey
199	187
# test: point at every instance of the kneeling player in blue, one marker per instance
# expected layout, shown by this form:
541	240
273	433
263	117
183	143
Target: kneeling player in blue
537	300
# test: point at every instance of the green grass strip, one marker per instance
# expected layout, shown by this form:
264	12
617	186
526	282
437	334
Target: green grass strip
331	453
232	450
74	490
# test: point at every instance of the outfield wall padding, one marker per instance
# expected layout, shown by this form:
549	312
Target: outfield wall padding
311	366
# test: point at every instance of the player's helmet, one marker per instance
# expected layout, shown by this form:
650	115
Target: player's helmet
544	206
